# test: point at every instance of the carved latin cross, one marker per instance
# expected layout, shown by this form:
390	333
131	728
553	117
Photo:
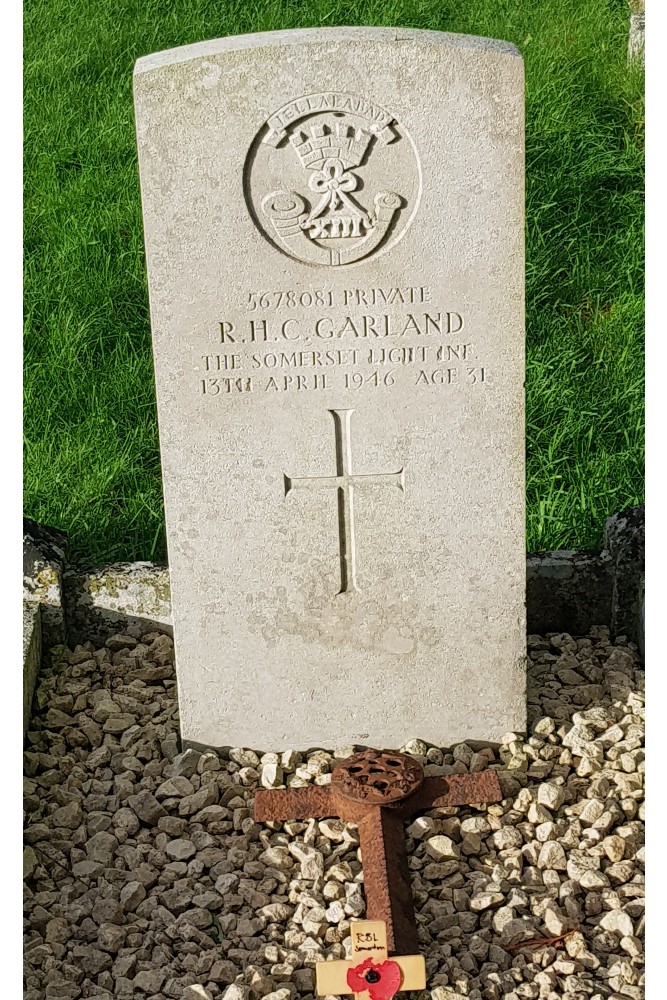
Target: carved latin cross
345	482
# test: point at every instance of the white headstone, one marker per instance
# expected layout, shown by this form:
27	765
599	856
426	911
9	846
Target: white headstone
334	237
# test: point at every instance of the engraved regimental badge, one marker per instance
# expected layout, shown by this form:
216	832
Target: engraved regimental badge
332	179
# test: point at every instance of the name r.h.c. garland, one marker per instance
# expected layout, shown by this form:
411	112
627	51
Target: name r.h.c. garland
271	330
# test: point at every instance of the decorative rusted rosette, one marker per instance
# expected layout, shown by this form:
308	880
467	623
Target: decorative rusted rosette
377	777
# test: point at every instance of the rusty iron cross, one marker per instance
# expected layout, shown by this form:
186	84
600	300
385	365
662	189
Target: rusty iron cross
378	790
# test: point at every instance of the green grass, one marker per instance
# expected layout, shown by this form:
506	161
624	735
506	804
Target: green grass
92	461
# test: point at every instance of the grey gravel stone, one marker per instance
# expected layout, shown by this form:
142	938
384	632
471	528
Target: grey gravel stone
108	910
174	787
29	862
150	980
69	816
184	764
131	895
146	806
180	850
111	937
101	847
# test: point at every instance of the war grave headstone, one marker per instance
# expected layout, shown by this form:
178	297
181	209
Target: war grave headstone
334	236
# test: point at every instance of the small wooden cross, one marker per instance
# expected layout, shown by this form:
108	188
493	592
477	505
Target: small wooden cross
370	970
378	790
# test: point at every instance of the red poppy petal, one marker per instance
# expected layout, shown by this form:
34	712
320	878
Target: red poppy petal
355	976
387	985
389	982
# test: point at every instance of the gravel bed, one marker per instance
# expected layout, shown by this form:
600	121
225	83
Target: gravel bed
146	877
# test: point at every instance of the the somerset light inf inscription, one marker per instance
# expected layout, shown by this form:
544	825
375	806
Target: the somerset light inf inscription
348	184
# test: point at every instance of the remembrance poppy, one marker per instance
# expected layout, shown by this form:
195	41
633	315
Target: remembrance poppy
381	980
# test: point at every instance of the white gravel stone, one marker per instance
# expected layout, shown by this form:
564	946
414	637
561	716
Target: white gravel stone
476	824
618	922
277	857
506	838
355	904
196	992
312	862
538	814
272	775
243	757
442	847
281	994
614	848
552	855
289	760
486	900
335	912
632	945
592	879
580	861
236	992
422	827
555	921
550	795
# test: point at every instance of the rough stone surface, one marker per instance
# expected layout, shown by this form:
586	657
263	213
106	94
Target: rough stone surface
325	364
568	590
45	552
44	558
624	540
250	912
637	35
32	655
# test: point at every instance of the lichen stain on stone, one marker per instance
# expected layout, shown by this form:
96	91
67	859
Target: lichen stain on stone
44	585
129	593
210	76
397	641
104	584
374	627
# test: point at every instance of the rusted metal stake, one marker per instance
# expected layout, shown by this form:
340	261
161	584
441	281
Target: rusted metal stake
378	790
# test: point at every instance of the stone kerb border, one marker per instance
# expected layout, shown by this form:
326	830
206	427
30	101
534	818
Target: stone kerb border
565	592
44	626
637	36
624	542
45	553
132	598
32	655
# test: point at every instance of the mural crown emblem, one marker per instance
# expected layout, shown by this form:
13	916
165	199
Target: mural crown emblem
343	142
